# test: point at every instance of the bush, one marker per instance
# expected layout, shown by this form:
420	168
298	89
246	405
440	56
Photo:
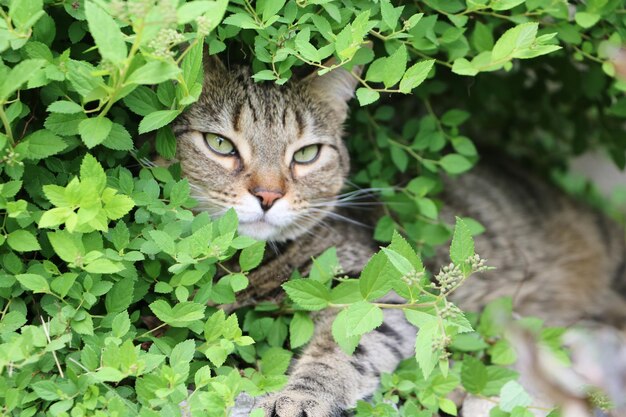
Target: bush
106	271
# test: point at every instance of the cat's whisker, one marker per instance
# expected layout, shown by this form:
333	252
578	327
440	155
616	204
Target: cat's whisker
337	216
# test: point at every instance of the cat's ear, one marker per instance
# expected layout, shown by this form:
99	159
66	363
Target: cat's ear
337	85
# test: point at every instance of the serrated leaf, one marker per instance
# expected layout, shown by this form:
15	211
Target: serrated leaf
157	119
340	331
301	329
473	374
22	241
376	278
415	75
163	241
366	96
462	246
94	131
105	32
363	317
18	75
42	144
154	72
34	282
251	257
513	395
308	294
121	324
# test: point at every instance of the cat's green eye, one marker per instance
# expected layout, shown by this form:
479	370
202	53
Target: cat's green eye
307	154
220	145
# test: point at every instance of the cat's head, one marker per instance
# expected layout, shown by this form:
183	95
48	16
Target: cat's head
273	153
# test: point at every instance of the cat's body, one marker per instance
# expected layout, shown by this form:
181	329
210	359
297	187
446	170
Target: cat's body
556	259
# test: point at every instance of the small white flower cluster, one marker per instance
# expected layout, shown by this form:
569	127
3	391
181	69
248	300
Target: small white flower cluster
165	39
204	25
477	263
12	158
412	278
450	310
440	343
448	277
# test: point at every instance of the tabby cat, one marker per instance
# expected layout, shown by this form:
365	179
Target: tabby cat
275	154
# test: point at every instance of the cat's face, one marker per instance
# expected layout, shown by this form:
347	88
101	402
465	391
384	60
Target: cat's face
273	153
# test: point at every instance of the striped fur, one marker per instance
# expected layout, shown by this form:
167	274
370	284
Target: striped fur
558	260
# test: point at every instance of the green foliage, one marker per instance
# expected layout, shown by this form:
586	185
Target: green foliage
109	281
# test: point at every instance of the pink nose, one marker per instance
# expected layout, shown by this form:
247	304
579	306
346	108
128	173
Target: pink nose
266	197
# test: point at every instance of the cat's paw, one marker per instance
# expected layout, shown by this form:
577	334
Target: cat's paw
292	403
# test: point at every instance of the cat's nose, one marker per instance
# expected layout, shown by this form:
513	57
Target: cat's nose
266	197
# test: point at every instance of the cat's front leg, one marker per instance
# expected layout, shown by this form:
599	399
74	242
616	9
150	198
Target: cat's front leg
325	380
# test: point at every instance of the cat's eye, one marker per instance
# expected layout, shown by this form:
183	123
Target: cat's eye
307	154
220	145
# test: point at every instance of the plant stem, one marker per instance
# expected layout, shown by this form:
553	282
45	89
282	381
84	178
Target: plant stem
7	125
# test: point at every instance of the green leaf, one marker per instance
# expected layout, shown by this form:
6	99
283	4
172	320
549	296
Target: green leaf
415	75
504	4
181	356
482	38
68	246
142	101
24	13
181	315
513	395
462	246
121	324
157	119
22	241
163	241
394	66
366	96
340	330
166	142
251	257
90	169
34	282
271	8
94	131
18	75
105	32
363	317
400	158
427	358
376	278
502	353
454	117
117	206
103	266
447	406
308	294
62	284
120	295
586	19
455	164
497	376
154	72
398	261
275	361
65	106
518	38
301	329
118	139
462	66
473	374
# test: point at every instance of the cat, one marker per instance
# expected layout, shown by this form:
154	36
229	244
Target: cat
275	154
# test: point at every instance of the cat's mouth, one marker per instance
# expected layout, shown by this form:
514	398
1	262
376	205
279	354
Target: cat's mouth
260	229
